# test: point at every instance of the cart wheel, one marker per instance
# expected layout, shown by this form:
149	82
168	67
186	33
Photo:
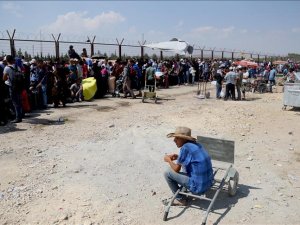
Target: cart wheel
165	216
232	184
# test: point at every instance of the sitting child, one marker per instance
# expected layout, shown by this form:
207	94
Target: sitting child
77	91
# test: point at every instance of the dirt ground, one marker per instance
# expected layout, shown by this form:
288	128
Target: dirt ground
101	162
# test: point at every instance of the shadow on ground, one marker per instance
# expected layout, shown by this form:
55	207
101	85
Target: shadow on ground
252	99
10	127
223	201
45	122
74	105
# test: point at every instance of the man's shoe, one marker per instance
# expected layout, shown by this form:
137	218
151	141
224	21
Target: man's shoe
3	123
17	121
178	202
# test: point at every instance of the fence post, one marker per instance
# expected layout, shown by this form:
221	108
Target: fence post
142	52
202	51
120	47
212	53
142	48
92	45
12	43
222	51
57	48
56	42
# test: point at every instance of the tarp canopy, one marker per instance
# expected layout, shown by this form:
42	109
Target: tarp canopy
280	62
97	56
174	45
246	63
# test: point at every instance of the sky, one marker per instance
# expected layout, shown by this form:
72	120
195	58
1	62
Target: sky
265	27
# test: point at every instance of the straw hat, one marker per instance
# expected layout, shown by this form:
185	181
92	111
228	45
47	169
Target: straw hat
182	132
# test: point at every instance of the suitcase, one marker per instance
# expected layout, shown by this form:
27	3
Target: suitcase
112	84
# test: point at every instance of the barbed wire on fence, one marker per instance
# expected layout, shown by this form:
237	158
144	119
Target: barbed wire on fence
43	43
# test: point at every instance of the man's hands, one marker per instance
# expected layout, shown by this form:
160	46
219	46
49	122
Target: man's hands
171	157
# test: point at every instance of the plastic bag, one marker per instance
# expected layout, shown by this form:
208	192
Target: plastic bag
222	94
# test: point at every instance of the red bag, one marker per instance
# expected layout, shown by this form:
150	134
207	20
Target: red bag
25	101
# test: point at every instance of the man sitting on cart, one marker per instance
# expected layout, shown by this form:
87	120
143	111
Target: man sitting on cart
197	174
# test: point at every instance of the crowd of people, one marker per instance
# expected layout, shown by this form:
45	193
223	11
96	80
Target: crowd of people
35	84
236	78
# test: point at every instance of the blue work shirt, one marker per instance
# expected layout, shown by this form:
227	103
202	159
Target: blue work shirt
42	77
73	70
197	163
272	74
137	70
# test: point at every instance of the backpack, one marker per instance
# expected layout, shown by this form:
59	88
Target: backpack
17	84
131	73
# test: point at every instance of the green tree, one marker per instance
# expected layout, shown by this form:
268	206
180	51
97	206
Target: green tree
113	56
294	56
26	55
19	52
154	56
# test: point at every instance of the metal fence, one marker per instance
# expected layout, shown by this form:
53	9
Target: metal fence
57	46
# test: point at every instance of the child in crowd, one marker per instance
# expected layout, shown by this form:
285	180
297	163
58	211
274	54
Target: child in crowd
77	91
